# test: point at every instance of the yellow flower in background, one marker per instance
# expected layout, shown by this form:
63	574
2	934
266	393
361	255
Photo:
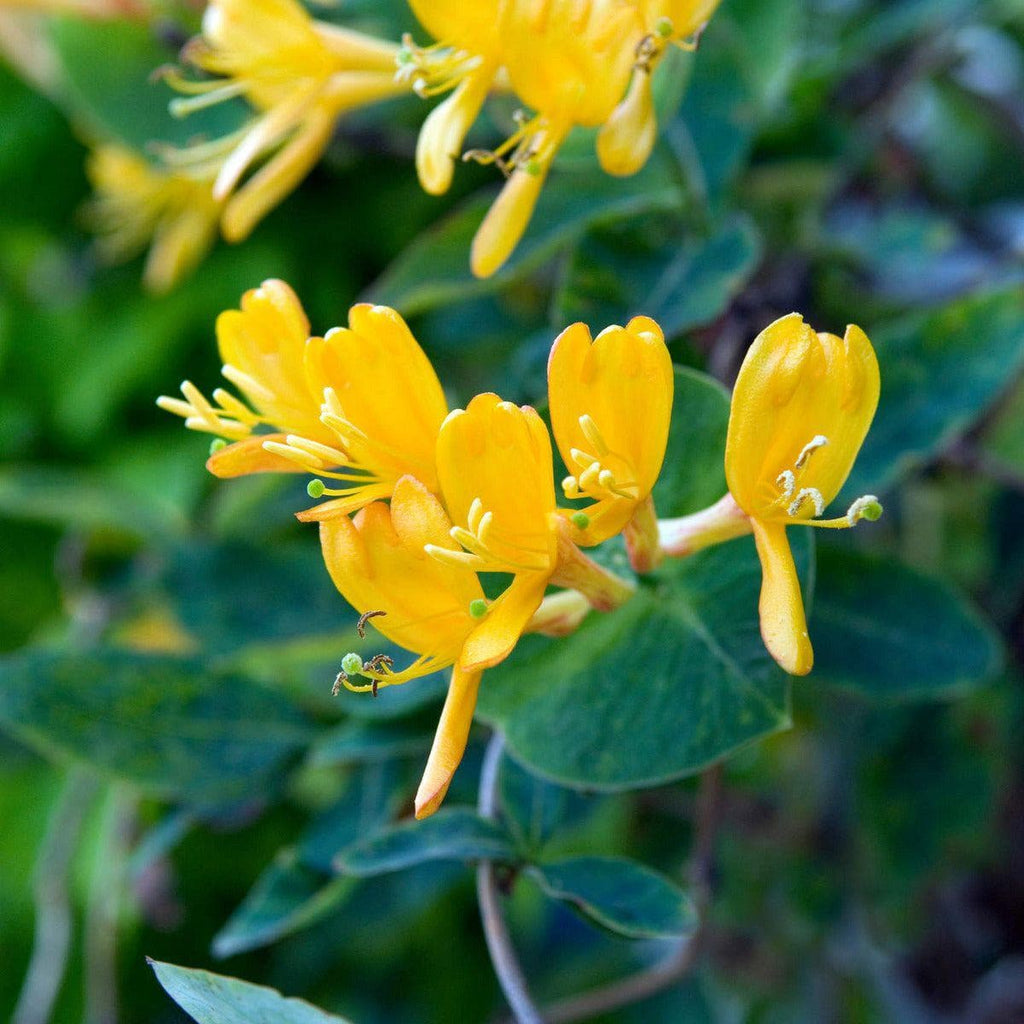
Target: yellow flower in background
137	204
381	562
611	404
86	8
801	409
570	62
360	407
300	74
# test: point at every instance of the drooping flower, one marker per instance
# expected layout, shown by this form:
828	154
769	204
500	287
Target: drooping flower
801	408
138	204
360	406
381	562
611	404
300	74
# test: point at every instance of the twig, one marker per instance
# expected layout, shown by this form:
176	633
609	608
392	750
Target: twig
52	939
103	909
499	942
677	964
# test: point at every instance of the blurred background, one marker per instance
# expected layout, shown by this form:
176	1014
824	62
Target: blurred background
856	161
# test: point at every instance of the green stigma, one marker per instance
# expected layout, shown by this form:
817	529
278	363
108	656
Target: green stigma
315	488
532	167
478	608
663	27
872	512
352	664
580	520
216	444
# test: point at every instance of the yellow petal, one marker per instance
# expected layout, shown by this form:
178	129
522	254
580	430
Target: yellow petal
626	139
506	619
499	454
623	382
374	570
783	622
336	508
449	741
796	386
506	220
466	26
249	456
387	390
440	139
264	342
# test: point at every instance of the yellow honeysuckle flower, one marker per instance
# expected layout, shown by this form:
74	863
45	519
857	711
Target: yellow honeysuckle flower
136	204
801	409
361	406
384	563
496	472
569	61
301	75
611	404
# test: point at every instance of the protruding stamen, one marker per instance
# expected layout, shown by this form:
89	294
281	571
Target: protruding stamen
866	507
593	435
328	456
252	387
459	559
802	495
476	513
816	442
787	481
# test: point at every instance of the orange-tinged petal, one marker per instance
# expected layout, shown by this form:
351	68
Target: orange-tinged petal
496	457
506	619
387	390
796	388
249	456
374	570
783	622
449	741
335	508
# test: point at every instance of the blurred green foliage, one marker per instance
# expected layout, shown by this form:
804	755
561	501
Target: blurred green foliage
173	768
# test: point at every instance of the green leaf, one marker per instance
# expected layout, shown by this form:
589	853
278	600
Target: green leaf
614	274
455	833
620	895
434	269
671	682
894	633
370	741
217	999
299	887
940	370
693	473
168	725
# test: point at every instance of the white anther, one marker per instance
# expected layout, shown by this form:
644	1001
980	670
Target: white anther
807	492
582	459
787	481
571	487
818	441
252	387
475	514
309	462
327	455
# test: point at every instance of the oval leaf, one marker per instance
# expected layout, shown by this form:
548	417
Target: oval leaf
620	895
217	999
451	834
893	633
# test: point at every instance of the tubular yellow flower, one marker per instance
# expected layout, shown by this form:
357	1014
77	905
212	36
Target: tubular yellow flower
136	204
361	406
570	61
802	405
299	73
496	471
611	404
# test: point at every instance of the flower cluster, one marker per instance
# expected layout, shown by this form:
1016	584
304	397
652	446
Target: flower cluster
570	62
421	501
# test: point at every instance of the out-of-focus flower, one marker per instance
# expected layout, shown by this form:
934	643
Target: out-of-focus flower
611	404
571	62
300	74
359	407
87	8
431	606
801	408
137	204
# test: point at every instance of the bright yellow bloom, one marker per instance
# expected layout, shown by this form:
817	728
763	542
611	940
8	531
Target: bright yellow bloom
360	406
384	561
801	408
611	404
137	204
299	73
